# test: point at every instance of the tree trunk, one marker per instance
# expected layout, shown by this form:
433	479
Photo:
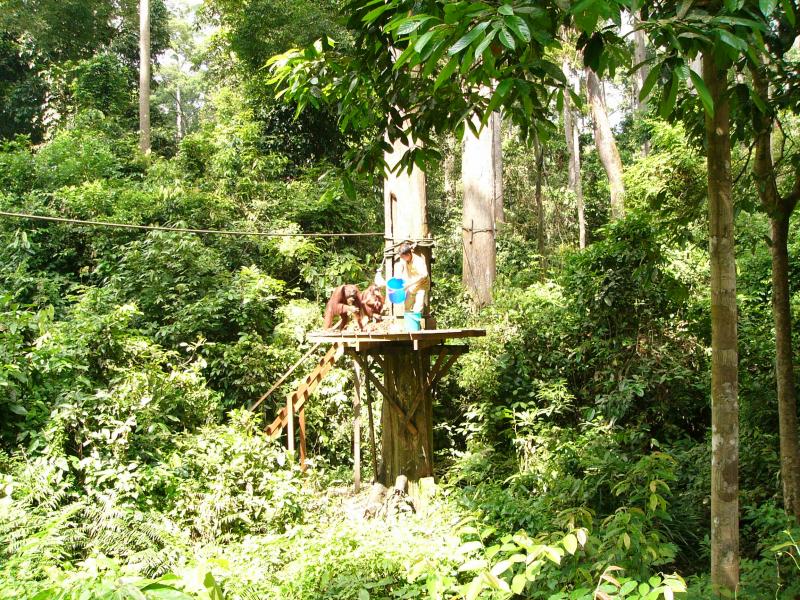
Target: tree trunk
178	112
780	210
144	76
405	210
540	233
784	371
478	221
606	145
639	55
497	167
404	452
574	166
724	352
448	171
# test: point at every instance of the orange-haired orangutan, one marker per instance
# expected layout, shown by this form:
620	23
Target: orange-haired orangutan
344	301
371	304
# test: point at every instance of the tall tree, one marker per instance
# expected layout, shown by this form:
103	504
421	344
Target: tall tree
571	136
606	144
479	173
779	208
724	350
537	194
642	71
144	76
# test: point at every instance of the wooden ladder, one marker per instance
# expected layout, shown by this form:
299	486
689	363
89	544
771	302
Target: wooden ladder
295	401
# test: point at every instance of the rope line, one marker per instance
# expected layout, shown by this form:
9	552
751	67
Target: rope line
14	215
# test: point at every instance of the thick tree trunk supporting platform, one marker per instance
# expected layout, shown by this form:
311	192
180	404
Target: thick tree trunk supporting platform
412	364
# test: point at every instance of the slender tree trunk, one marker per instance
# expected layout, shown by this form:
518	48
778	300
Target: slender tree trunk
179	112
497	167
780	210
574	166
724	351
448	171
144	76
606	145
540	233
784	372
639	55
478	220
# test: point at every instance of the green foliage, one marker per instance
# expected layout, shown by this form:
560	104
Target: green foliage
79	154
227	481
101	83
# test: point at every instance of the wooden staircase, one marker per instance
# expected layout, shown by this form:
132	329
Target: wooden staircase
295	402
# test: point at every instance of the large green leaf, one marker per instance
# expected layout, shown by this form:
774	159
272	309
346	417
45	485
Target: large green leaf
649	82
767	6
519	27
703	92
468	38
668	99
445	73
507	39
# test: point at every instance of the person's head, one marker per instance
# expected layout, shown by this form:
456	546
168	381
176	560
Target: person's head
405	251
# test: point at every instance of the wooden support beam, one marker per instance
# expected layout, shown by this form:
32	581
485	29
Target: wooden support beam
444	361
290	423
283	378
390	398
357	427
422	392
438	362
372	447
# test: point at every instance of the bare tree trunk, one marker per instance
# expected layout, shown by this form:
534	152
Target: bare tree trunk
540	233
724	351
497	167
448	171
478	220
606	145
639	55
784	372
780	210
405	209
179	112
144	76
574	166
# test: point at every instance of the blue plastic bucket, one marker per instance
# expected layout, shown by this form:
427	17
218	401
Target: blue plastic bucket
413	320
397	295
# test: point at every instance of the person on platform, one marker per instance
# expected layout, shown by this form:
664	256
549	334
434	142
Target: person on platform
411	268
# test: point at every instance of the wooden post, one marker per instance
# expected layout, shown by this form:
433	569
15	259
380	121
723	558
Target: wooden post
301	417
372	448
290	424
404	452
357	427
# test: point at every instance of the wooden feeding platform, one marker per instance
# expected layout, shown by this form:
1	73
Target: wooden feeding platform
367	340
